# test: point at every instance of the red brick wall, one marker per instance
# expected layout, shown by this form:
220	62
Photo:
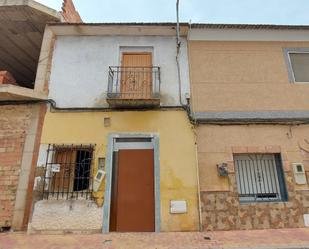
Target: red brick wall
7	78
69	12
14	122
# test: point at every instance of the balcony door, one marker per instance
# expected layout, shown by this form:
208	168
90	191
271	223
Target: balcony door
136	76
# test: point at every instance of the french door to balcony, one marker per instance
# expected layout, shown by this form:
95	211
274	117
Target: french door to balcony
136	76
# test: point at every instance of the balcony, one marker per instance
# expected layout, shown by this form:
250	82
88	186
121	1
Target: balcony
133	87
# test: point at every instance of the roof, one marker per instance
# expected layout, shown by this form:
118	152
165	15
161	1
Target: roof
248	26
122	24
132	28
194	25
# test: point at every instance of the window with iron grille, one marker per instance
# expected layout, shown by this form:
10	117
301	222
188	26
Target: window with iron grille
68	172
260	177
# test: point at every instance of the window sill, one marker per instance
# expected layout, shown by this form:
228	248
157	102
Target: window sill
300	83
261	202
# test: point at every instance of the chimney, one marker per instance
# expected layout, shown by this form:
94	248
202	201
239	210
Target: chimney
69	13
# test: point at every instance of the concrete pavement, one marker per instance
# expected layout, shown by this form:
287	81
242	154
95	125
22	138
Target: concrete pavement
280	238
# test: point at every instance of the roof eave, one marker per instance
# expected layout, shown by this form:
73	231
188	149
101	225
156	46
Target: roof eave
96	29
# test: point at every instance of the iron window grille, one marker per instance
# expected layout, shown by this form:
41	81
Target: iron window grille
260	178
134	82
68	172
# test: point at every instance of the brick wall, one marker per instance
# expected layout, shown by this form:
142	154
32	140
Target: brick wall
14	122
69	13
7	78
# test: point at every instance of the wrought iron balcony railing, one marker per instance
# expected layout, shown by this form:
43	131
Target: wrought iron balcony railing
137	84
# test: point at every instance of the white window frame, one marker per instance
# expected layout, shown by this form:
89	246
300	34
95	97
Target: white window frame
287	52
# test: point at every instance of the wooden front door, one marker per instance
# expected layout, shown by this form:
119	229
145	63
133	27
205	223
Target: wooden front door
136	76
133	202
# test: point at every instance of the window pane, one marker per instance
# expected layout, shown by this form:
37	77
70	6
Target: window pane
300	66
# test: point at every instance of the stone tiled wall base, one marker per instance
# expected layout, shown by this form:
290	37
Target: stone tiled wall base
61	216
222	210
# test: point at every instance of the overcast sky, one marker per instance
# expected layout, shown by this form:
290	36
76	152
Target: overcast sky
205	11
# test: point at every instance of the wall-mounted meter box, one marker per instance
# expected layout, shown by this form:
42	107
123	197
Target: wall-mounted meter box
299	173
178	207
98	180
306	220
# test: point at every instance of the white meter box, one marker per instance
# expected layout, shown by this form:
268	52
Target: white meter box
299	173
178	207
306	220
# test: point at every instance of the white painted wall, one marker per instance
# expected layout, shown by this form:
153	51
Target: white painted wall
66	215
79	75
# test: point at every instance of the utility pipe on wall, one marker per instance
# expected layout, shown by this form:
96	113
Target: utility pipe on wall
188	109
178	26
178	45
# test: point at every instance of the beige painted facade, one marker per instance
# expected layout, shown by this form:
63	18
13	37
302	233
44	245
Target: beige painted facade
220	204
288	140
247	77
244	76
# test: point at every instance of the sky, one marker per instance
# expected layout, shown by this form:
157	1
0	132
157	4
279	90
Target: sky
196	11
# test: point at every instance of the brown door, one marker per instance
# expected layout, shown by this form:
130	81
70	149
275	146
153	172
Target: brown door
136	76
133	204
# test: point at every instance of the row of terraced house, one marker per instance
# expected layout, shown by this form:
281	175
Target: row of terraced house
147	127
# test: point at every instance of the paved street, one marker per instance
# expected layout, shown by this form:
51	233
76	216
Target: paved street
282	238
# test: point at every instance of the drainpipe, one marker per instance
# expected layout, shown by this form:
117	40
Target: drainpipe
185	106
190	116
198	185
177	28
178	45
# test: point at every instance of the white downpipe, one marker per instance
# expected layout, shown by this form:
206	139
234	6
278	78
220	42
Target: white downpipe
178	45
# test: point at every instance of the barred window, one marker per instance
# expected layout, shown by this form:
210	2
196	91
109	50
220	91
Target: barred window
259	177
68	172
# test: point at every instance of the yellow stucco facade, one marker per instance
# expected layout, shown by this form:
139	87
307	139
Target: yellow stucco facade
178	166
